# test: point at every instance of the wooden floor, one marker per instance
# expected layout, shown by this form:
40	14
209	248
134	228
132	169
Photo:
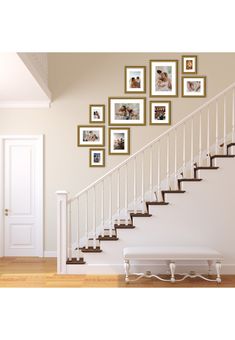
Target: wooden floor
38	272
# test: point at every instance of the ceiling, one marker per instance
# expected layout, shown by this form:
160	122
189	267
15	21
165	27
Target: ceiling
19	86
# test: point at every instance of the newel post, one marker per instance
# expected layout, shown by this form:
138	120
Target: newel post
62	197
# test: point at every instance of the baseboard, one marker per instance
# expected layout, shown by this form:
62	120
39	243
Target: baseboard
49	253
118	269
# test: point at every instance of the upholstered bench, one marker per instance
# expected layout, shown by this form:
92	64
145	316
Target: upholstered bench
171	255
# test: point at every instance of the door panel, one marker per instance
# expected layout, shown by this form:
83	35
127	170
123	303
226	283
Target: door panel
22	197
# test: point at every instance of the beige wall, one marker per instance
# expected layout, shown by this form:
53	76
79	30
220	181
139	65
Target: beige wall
79	79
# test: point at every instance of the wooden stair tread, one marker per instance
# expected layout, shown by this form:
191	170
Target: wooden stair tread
173	191
107	238
189	179
90	249
123	226
139	214
206	168
222	156
74	260
230	144
157	203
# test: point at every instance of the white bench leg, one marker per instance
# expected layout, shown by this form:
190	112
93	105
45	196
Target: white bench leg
172	269
127	269
218	271
209	266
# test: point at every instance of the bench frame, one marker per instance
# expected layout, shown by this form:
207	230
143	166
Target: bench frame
172	267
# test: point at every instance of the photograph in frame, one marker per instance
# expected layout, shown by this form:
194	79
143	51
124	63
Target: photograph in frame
91	135
119	141
135	79
194	86
163	78
127	111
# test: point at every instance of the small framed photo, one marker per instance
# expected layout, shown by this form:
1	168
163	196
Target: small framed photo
91	135
127	111
194	86
97	157
189	64
135	79
160	113
97	114
119	141
163	78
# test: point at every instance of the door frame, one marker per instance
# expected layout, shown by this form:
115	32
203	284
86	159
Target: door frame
40	233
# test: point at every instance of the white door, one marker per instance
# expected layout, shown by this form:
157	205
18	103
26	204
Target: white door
23	196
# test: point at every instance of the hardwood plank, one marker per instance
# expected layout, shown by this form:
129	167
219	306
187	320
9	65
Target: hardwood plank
41	272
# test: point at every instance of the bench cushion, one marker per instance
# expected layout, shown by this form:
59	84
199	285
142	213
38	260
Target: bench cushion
171	253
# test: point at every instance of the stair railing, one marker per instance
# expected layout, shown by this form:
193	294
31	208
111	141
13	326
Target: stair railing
92	213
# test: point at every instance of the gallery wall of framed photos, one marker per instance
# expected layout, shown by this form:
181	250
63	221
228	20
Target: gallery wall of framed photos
125	112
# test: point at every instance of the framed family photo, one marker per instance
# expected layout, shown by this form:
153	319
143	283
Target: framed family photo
119	141
127	111
160	113
135	79
97	114
91	135
163	78
97	157
194	86
189	64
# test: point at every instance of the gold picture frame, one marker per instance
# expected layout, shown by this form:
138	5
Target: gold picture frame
92	158
100	108
188	58
139	85
167	112
125	116
124	133
196	92
167	86
92	134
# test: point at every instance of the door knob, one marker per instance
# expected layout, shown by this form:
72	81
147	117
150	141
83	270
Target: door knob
6	212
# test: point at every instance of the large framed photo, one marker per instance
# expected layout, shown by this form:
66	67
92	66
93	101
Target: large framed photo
194	86
163	78
97	114
127	111
119	141
135	79
97	157
189	64
160	113
91	135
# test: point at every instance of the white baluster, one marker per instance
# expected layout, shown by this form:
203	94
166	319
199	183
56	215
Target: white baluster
217	127
69	243
176	170
135	184
102	208
168	161
200	139
184	151
233	118
192	149
94	218
110	206
78	228
118	196
208	137
62	197
142	183
225	127
126	194
86	222
151	173
159	171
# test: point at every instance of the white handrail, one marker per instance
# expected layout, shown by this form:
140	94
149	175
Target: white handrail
154	141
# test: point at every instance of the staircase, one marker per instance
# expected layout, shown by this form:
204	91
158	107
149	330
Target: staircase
92	220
